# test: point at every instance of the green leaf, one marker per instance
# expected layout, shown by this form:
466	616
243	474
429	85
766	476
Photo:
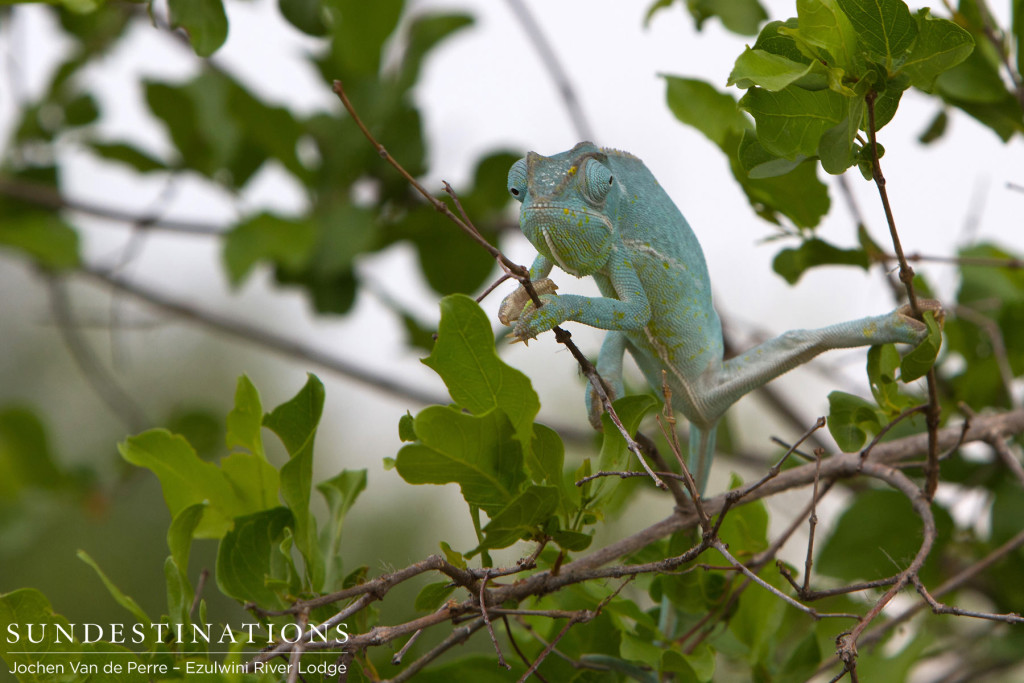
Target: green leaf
425	33
571	541
803	662
26	461
432	596
267	237
773	40
127	154
453	557
745	529
757	620
940	46
615	455
340	492
476	452
524	514
42	236
477	379
248	557
792	121
936	129
698	665
295	423
799	194
883	361
203	20
120	598
360	30
698	104
769	71
974	80
759	163
29	606
180	594
796	192
849	419
917	363
546	462
792	263
884	28
406	431
306	15
739	16
877	536
245	421
181	533
254	480
822	25
185	479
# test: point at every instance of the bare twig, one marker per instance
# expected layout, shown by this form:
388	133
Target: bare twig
487	622
47	197
554	67
102	382
1009	459
256	335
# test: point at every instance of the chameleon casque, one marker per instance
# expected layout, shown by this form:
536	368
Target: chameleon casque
600	212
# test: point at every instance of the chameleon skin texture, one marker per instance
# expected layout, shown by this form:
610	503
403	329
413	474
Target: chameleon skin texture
600	212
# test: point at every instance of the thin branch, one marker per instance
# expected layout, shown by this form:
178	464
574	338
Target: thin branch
487	622
460	635
47	197
939	608
258	336
846	643
103	383
933	413
979	261
1009	459
950	585
813	613
554	68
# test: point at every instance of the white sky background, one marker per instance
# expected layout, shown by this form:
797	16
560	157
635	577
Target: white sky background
483	90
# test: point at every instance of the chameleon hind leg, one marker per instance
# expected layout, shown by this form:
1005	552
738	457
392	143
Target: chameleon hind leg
702	452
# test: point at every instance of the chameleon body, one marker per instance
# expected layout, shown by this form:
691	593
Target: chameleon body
600	212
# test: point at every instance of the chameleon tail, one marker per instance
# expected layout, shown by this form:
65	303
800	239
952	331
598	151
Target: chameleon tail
702	452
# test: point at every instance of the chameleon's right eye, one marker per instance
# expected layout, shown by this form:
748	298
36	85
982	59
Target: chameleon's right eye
599	180
517	180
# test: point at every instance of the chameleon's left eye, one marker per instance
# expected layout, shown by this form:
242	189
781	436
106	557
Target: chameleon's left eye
598	181
517	180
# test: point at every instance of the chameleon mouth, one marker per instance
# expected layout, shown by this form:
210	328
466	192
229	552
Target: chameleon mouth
554	252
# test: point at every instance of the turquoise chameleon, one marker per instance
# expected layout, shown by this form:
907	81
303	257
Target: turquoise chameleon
600	212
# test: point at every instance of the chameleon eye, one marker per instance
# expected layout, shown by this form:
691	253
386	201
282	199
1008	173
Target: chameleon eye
517	180
598	181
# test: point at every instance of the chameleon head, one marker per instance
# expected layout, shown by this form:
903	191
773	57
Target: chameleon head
567	202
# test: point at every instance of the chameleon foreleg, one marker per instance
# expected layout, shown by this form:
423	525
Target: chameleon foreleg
630	311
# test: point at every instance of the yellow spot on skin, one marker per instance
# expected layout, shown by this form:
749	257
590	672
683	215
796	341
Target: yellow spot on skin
566	211
573	169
